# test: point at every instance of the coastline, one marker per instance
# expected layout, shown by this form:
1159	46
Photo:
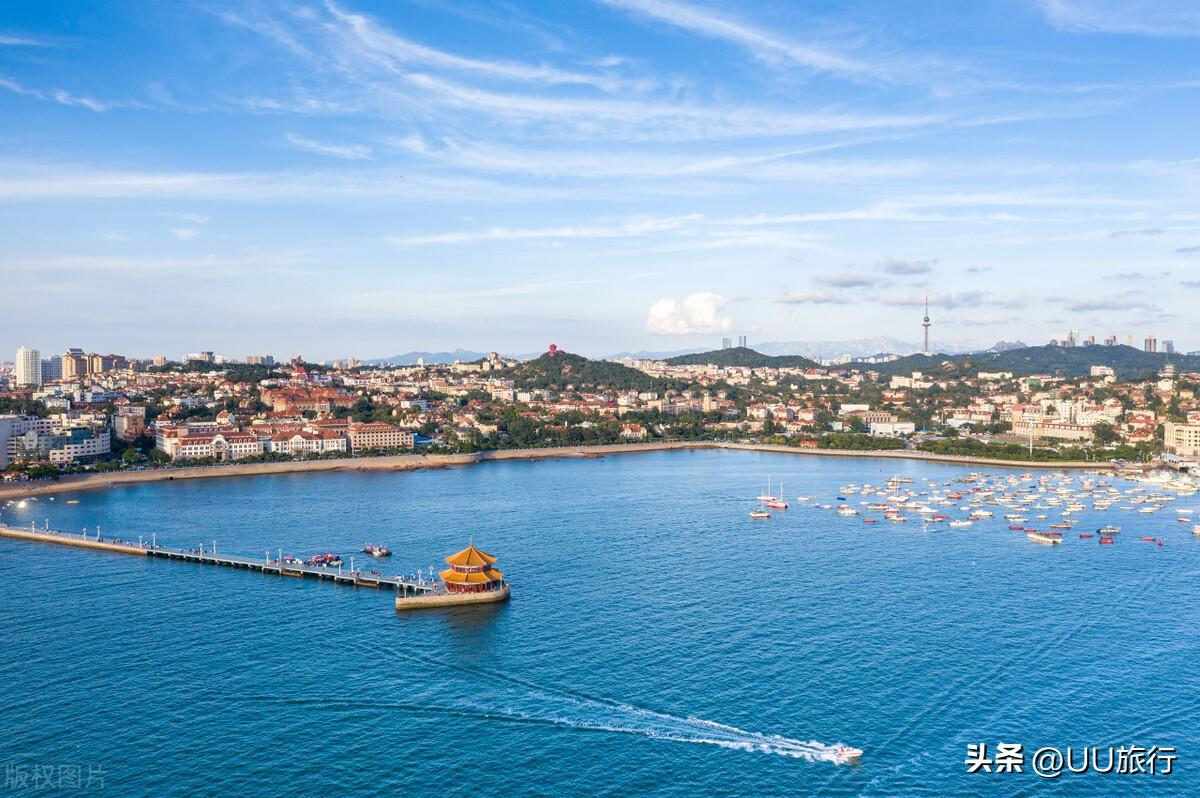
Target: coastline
412	462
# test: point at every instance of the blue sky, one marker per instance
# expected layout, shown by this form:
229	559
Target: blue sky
356	177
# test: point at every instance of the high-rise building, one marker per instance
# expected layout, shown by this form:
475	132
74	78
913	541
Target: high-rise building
742	341
1089	341
29	366
726	343
158	360
1073	338
260	360
51	370
1110	340
1169	347
1150	344
74	364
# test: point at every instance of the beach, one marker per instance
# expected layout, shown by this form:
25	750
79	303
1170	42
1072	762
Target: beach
411	462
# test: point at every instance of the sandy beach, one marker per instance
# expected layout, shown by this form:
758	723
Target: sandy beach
410	462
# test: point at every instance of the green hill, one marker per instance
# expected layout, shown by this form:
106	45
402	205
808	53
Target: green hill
1058	361
563	369
742	356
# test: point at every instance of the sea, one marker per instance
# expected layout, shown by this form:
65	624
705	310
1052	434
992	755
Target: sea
658	641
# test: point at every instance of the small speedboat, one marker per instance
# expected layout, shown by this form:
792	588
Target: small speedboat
376	551
759	514
847	753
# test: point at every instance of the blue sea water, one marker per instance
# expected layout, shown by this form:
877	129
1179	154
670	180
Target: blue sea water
658	642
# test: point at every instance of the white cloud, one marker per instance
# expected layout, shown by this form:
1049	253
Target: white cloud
184	233
846	280
696	313
347	152
1136	17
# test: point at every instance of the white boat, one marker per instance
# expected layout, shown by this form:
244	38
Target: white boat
846	753
960	524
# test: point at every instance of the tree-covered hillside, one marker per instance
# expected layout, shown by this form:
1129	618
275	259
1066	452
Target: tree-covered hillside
1059	361
742	356
563	368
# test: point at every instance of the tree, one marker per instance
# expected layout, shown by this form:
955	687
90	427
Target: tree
1104	433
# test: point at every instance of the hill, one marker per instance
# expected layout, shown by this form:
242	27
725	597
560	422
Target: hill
563	369
742	356
1059	361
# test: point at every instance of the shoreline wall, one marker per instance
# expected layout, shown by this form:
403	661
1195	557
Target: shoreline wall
410	462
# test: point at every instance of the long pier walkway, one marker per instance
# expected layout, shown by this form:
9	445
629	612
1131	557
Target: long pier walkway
266	564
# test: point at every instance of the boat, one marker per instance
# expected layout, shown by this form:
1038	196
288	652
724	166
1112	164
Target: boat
759	514
1148	538
1109	530
376	551
1045	537
1196	530
1086	535
847	753
777	503
767	497
876	521
72	501
1106	540
1061	525
845	509
960	524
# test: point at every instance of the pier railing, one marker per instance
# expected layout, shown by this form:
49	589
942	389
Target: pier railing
203	555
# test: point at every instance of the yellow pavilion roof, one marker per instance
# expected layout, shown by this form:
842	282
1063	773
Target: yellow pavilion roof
475	578
471	556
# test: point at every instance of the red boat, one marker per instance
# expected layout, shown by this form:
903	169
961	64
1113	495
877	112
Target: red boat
1106	540
1017	528
870	520
777	504
1087	535
1149	538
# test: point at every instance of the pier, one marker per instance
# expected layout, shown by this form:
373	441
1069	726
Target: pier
266	564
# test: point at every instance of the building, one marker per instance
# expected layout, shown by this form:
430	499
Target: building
29	367
13	427
471	571
378	436
62	439
1182	439
892	429
306	441
1150	344
74	364
742	341
1169	347
260	360
51	370
129	422
926	324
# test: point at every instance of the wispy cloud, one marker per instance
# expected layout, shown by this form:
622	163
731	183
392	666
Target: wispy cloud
845	280
185	233
763	44
630	229
1111	303
15	40
347	152
907	267
1145	231
811	298
60	96
1137	17
1192	250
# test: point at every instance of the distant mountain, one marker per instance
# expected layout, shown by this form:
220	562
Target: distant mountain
742	356
1058	361
1004	346
653	355
410	358
856	348
563	369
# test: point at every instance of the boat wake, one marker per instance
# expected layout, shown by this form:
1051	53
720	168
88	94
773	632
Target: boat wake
571	709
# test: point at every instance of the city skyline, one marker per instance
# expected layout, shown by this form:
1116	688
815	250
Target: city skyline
359	178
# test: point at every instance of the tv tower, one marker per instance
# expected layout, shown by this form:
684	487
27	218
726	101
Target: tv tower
926	325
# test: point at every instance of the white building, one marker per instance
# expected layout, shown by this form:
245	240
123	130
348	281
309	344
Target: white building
29	366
